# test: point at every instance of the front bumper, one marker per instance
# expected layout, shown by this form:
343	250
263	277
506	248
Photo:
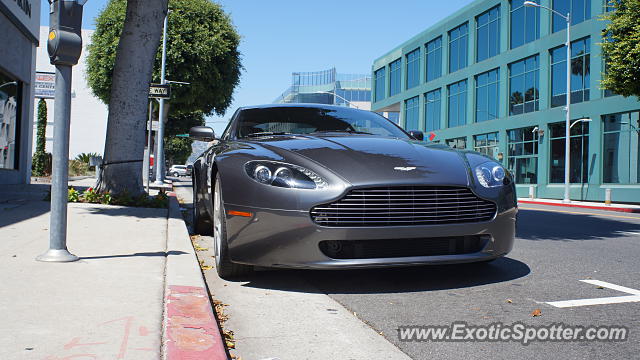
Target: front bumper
290	239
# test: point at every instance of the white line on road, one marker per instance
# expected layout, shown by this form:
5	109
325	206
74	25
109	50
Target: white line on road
635	296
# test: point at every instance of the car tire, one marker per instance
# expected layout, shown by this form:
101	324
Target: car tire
224	266
201	223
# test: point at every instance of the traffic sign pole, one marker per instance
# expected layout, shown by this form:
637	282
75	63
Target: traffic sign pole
159	160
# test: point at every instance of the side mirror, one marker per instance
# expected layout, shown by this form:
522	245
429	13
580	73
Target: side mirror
202	133
417	134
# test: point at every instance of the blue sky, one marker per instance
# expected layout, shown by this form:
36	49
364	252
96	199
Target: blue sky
283	36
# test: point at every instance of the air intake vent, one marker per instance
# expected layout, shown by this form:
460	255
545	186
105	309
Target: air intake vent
407	205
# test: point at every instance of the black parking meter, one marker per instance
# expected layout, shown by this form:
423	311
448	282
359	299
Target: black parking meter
65	26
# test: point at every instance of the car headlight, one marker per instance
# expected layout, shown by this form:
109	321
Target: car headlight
490	174
284	175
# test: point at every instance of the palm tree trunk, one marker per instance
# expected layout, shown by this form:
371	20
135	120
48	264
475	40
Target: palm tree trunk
124	146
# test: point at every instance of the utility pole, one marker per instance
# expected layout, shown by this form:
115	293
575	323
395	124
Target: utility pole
64	47
159	158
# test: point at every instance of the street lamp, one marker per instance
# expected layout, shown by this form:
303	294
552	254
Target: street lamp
567	160
336	95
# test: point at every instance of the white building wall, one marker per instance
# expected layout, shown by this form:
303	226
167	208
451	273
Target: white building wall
88	113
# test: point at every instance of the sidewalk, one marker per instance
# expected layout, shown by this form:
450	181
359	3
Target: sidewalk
137	277
628	208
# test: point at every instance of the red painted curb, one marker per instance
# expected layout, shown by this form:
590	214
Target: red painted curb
605	208
192	330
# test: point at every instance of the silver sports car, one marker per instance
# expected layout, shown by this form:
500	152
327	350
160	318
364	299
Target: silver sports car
329	187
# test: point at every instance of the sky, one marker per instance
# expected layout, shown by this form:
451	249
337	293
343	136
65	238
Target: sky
284	36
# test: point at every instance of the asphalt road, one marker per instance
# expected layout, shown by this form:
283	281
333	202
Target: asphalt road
555	249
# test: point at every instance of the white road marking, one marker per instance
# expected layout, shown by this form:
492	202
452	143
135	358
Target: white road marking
635	296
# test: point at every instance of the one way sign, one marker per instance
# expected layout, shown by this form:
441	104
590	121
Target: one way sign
158	91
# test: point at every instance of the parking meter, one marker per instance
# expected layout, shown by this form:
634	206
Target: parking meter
65	26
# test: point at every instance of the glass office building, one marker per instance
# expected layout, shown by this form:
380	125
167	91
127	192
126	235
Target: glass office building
329	87
492	78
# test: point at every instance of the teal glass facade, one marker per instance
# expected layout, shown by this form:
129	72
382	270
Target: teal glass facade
395	73
518	96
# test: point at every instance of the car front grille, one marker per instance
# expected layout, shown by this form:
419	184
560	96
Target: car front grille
391	248
407	205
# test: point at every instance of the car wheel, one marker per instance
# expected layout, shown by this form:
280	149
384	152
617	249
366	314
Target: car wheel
201	223
174	174
225	268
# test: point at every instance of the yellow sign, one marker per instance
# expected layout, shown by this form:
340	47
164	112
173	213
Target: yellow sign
52	35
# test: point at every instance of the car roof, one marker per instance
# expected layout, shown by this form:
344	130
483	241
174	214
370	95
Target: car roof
299	105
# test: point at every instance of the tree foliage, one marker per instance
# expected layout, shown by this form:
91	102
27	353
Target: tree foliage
178	149
202	49
621	48
40	157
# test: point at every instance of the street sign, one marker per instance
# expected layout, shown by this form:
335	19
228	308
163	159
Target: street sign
154	126
157	91
45	85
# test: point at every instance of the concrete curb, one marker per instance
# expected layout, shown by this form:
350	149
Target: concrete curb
190	330
583	206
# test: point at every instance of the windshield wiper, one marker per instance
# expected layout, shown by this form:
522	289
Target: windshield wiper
343	131
266	133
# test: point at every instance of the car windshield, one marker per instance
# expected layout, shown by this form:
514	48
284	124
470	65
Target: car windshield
312	120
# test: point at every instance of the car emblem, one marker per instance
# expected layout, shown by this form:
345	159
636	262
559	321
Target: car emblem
404	168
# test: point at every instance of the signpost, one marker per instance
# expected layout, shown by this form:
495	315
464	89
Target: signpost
158	91
45	85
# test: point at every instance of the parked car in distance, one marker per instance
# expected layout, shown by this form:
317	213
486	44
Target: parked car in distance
179	170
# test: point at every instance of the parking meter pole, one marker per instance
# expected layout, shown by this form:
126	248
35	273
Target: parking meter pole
60	170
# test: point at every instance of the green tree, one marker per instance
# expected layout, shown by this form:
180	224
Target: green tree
134	41
621	48
40	157
202	49
178	149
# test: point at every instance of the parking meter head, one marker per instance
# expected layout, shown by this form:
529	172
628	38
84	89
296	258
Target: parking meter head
65	25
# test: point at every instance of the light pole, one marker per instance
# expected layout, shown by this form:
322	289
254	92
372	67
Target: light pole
160	153
567	160
338	96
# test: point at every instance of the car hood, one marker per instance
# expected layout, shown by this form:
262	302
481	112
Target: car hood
363	159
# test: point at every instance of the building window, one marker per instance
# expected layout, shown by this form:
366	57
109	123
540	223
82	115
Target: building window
579	151
9	121
394	116
524	85
379	88
580	73
432	106
488	34
457	143
395	73
434	59
411	113
457	104
525	24
413	68
580	11
486	144
458	44
523	154
620	149
487	99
